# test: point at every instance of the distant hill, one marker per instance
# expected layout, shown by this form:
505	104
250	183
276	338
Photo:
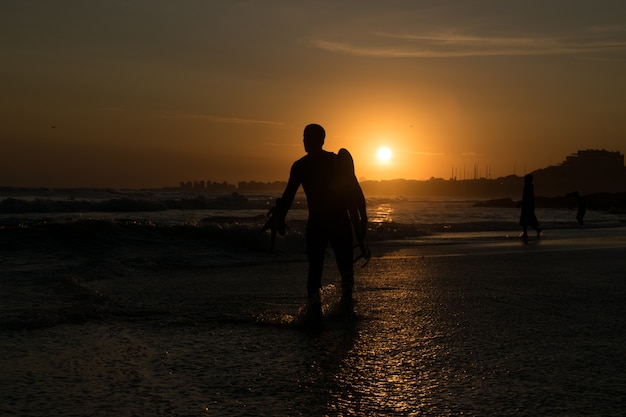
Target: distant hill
587	171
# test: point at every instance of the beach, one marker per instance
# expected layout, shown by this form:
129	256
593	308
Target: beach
472	325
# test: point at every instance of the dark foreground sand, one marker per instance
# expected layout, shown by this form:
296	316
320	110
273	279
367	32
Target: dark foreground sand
494	327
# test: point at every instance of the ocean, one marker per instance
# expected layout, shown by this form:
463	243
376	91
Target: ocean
169	303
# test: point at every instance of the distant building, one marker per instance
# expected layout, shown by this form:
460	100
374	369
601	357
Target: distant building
595	159
586	171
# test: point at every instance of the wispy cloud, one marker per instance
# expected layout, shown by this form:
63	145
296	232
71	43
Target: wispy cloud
220	119
448	44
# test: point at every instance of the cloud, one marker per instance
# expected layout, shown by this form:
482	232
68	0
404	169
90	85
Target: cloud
220	119
448	44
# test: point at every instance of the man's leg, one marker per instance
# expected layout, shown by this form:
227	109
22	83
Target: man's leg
316	241
343	248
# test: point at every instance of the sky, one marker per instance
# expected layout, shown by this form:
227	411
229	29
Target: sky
148	93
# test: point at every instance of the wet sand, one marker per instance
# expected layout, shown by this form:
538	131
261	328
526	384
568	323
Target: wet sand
492	327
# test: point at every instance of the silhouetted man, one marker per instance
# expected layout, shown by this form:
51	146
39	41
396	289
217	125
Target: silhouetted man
328	218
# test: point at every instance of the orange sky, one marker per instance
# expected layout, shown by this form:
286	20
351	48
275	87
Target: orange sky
147	94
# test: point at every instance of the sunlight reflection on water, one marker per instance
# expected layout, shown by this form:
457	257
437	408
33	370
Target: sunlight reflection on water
398	359
391	371
381	213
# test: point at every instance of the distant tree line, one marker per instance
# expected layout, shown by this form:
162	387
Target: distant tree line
207	186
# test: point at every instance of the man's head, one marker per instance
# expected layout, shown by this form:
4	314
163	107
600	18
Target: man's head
314	135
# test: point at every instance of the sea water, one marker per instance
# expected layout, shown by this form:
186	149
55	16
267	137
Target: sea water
175	207
186	312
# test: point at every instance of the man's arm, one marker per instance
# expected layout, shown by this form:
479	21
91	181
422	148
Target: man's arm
295	179
276	216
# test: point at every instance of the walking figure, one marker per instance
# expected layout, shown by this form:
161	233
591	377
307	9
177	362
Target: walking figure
582	208
527	216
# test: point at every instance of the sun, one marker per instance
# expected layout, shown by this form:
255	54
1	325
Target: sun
384	154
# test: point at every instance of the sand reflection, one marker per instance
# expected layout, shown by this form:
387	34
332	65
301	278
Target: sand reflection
390	369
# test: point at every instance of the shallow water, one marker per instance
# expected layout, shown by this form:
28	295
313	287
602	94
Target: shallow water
187	313
439	330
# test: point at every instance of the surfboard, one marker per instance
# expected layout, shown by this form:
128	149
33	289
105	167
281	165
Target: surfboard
355	203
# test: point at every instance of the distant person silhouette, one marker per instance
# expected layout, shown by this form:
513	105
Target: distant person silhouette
527	216
328	220
582	208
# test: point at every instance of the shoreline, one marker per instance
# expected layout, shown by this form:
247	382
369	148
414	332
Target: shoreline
575	237
484	326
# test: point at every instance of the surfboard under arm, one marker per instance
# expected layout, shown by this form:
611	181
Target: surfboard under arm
359	233
355	202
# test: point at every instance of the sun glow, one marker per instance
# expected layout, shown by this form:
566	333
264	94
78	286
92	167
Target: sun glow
384	154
